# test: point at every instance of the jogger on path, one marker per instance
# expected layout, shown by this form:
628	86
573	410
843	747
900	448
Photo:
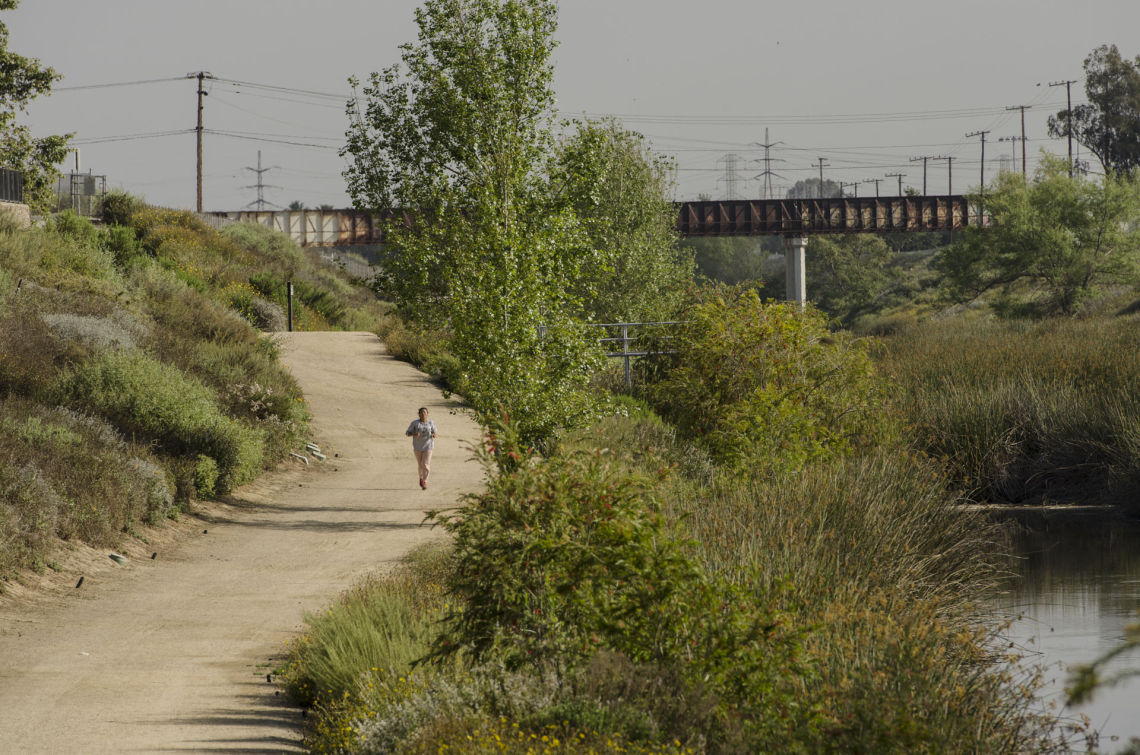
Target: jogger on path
422	432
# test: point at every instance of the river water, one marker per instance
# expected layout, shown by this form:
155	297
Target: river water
1078	587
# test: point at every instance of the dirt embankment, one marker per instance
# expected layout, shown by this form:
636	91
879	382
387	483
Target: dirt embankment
171	653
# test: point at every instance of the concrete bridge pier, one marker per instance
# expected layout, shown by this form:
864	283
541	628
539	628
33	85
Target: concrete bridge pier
796	277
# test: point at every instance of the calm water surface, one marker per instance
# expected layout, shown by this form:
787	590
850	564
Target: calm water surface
1079	586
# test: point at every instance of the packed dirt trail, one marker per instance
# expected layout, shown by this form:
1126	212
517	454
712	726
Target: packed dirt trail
171	654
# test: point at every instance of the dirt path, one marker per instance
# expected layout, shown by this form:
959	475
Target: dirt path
171	654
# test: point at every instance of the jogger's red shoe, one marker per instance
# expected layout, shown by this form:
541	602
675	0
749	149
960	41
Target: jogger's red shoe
423	484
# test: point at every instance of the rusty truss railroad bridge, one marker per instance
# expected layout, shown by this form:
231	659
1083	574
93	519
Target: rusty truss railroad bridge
794	219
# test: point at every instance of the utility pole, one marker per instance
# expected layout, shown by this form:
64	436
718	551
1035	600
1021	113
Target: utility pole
201	76
1013	149
949	172
1068	84
924	159
876	182
822	163
982	174
767	172
949	190
900	178
844	184
1022	108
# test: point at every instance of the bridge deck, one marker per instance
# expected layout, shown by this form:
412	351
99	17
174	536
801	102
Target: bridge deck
739	217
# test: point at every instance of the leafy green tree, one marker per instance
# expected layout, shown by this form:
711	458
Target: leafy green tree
848	273
620	193
1050	241
296	204
809	189
21	81
459	134
1109	124
733	259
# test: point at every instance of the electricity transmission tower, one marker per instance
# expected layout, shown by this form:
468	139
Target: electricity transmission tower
731	176
767	173
261	186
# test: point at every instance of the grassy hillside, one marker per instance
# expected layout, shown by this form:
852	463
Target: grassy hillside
134	376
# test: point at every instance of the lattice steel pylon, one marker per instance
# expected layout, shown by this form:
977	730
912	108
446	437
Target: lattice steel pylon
731	175
768	160
261	186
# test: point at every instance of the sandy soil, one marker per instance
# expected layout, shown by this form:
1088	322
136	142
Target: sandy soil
171	654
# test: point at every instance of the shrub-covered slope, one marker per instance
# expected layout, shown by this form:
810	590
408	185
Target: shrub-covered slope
133	376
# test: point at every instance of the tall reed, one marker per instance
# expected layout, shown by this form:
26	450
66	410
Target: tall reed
1025	411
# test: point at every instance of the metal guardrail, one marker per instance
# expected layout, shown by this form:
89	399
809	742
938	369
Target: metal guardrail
11	185
625	339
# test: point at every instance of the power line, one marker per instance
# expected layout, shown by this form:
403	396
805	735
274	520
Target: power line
116	84
233	135
131	137
826	119
276	88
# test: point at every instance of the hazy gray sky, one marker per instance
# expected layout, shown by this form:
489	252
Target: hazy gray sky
865	84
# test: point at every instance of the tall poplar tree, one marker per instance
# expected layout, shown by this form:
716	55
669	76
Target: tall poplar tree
455	136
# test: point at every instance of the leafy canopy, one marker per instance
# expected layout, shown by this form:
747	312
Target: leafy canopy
21	81
849	273
457	135
620	193
1109	124
765	386
1050	242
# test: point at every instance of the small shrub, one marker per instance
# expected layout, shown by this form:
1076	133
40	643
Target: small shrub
375	630
119	208
269	285
30	353
320	300
96	333
124	245
423	347
240	298
269	317
205	476
159	493
29	510
70	224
